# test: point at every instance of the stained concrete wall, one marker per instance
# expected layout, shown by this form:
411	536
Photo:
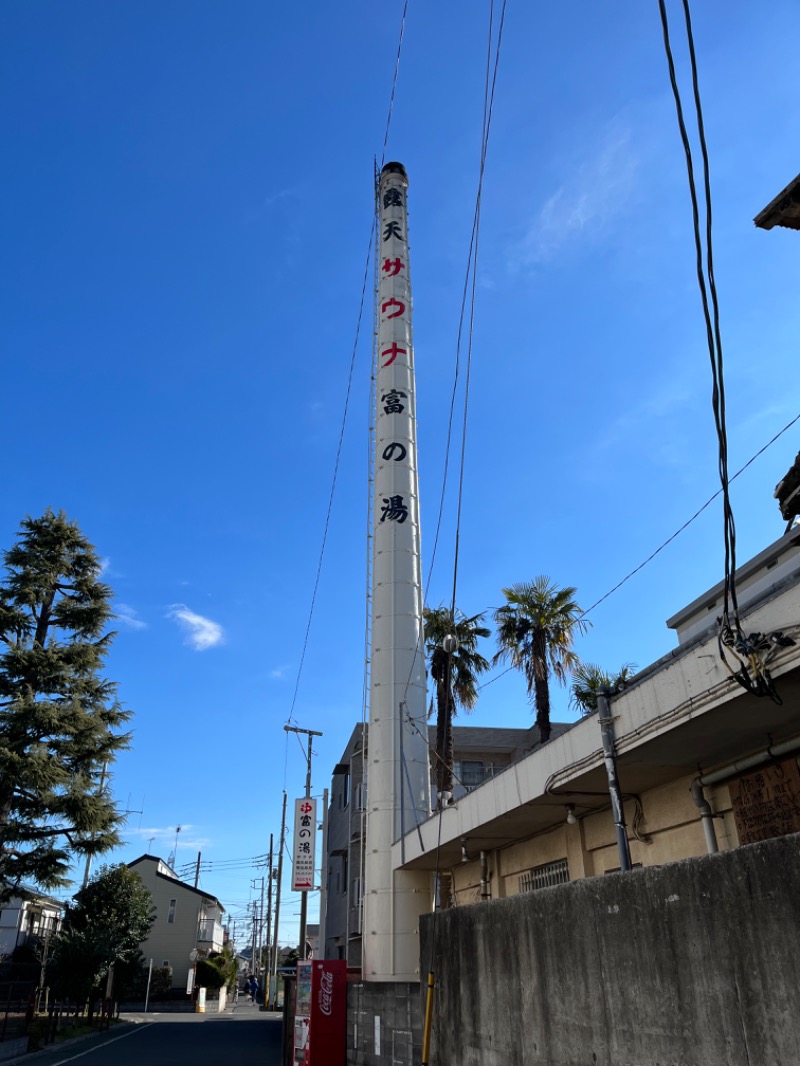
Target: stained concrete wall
384	1024
696	963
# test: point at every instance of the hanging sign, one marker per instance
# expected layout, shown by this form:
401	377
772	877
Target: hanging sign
305	836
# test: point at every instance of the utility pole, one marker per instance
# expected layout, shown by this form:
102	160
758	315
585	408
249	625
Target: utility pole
606	720
304	894
255	938
197	870
268	937
323	877
274	974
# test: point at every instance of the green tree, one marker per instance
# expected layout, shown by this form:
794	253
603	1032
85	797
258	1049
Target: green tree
59	719
220	968
535	631
455	676
209	974
107	922
588	680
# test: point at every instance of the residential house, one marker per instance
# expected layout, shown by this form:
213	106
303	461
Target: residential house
187	919
29	920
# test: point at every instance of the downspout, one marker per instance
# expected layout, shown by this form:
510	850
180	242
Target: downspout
606	720
486	888
706	815
740	766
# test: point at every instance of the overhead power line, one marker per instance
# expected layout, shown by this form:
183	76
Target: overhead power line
669	539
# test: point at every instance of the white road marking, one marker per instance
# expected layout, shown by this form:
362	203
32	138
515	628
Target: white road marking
97	1047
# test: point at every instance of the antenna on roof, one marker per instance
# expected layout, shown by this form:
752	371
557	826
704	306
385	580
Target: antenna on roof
172	855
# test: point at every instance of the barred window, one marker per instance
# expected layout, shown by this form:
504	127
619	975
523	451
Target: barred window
551	873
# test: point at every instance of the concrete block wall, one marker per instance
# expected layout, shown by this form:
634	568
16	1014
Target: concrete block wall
695	963
384	1024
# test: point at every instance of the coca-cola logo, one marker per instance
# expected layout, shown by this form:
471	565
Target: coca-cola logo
325	997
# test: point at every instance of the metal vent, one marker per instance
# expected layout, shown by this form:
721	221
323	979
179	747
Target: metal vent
551	873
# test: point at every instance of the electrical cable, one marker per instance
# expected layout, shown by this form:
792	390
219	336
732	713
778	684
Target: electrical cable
349	385
752	651
669	539
471	271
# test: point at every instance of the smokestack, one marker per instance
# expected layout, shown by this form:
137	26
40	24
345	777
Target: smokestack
398	787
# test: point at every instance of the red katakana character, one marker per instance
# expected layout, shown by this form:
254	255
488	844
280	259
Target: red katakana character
393	351
393	303
392	267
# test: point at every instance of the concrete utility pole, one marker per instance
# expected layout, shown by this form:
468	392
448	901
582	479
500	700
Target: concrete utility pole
606	720
255	938
197	870
323	877
274	969
268	937
304	894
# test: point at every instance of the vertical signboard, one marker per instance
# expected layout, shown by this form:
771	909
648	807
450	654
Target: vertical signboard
303	848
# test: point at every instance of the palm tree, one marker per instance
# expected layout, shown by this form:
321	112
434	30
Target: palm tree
588	680
455	676
535	629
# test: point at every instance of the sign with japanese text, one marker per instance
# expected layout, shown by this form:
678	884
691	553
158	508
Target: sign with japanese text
303	849
395	458
767	803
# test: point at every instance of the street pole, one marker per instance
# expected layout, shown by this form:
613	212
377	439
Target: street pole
255	939
606	720
268	938
260	931
304	894
274	974
323	877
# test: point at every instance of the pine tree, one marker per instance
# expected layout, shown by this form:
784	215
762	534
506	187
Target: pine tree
59	718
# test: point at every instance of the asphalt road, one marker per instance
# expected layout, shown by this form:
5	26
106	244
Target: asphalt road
245	1035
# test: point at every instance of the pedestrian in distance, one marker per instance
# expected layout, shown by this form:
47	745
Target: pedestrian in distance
254	988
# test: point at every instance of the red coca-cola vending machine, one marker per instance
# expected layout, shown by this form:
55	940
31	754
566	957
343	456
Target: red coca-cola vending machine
320	1022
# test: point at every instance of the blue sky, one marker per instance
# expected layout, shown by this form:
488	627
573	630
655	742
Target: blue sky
187	196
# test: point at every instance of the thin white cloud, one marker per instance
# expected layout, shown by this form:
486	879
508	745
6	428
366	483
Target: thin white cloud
200	632
162	838
594	192
128	616
279	673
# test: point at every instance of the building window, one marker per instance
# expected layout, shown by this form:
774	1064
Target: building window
344	873
355	894
472	773
165	963
551	873
345	789
173	903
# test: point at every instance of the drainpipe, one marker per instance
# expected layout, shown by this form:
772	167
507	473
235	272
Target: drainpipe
610	758
740	766
486	890
706	815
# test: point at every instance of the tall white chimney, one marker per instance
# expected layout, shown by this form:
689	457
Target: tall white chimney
398	776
